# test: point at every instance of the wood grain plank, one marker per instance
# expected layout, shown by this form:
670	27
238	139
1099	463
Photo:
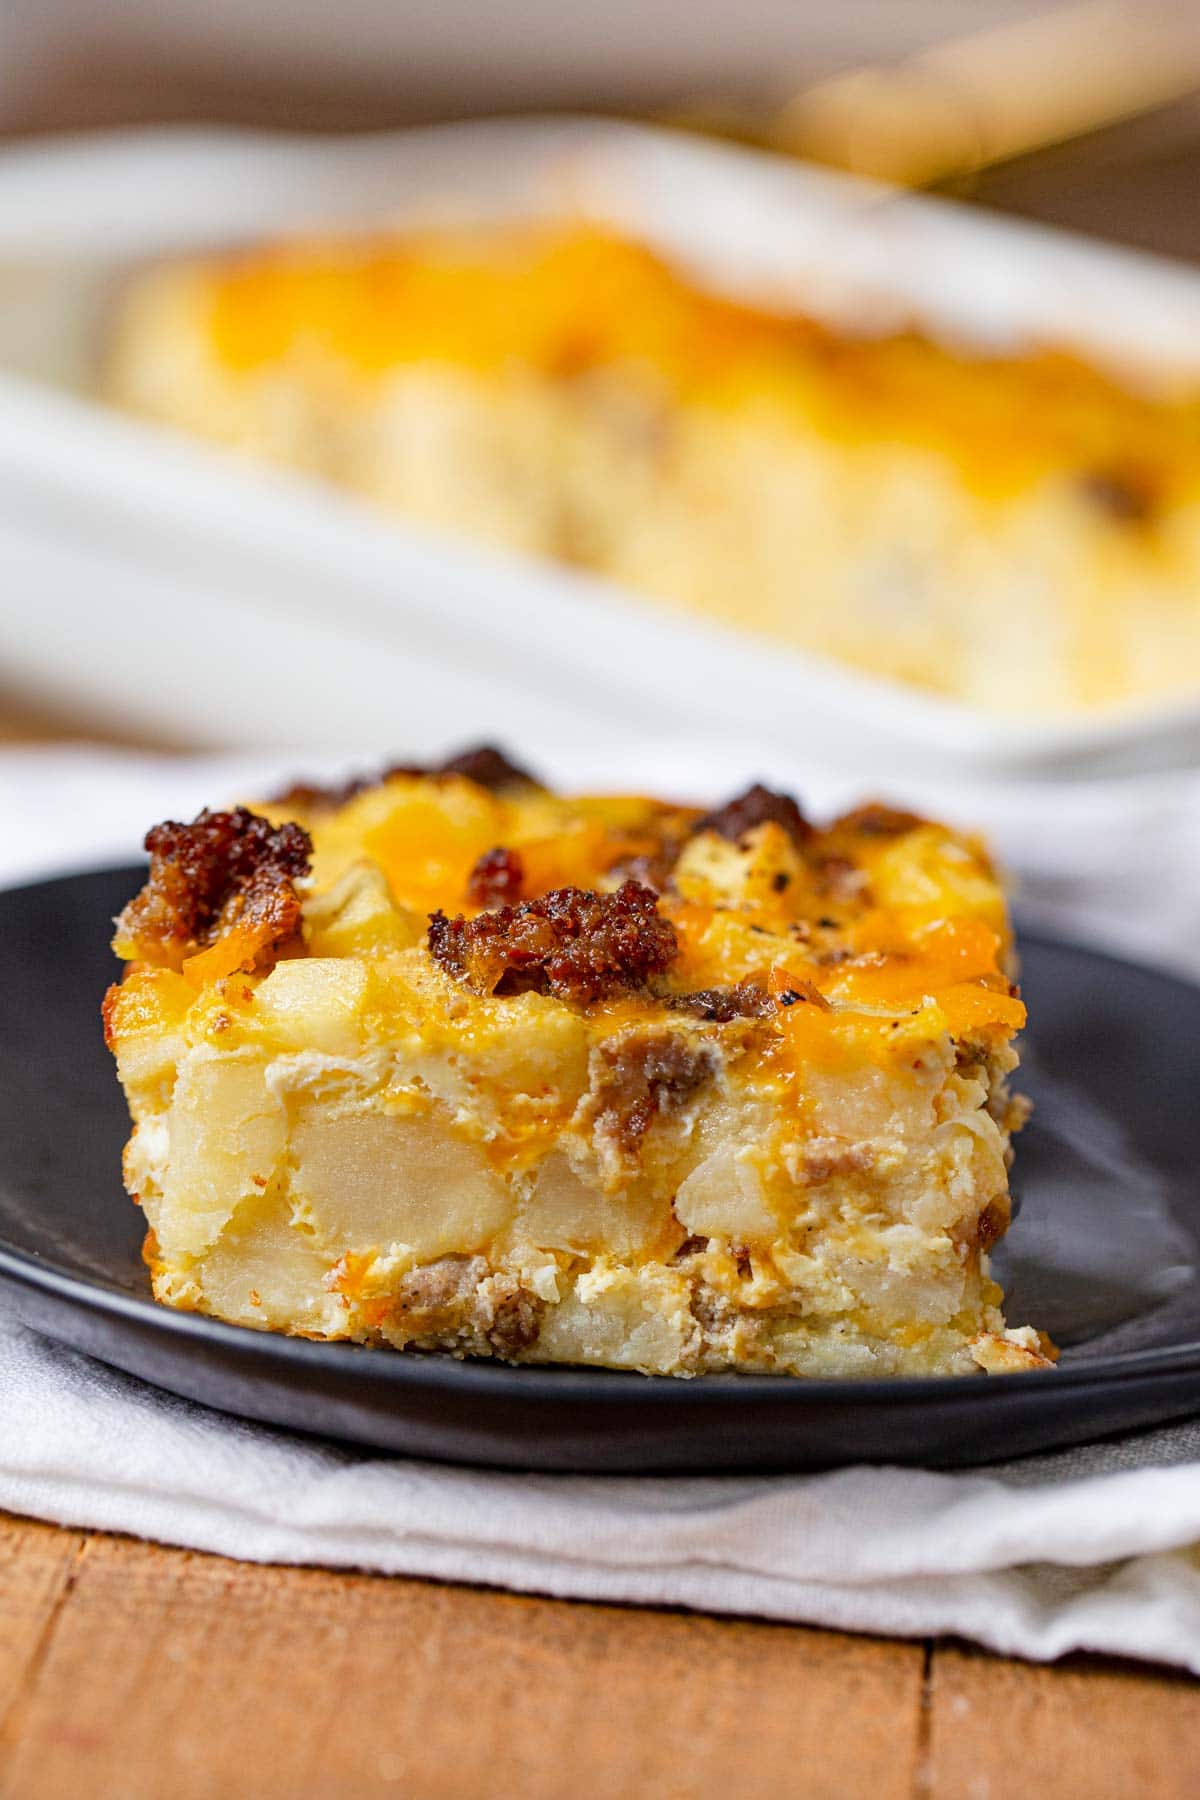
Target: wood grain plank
1087	1728
36	1566
184	1674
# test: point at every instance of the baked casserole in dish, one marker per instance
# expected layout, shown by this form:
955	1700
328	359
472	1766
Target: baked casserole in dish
1018	532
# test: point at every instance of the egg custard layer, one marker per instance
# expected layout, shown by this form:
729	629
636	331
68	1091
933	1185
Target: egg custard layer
1015	531
447	1061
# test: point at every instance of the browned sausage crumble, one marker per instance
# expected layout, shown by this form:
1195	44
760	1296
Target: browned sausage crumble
877	820
510	1316
840	878
496	879
1128	496
317	797
650	856
757	806
457	1297
224	871
488	767
639	1076
483	764
994	1221
573	943
722	1005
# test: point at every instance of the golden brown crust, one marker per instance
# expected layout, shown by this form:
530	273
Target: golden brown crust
993	1221
576	944
108	1009
225	874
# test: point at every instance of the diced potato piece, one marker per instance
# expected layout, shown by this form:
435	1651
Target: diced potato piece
710	868
358	917
564	1212
723	1197
933	871
227	1137
373	1179
862	1105
314	1003
908	1275
264	1270
622	1320
713	869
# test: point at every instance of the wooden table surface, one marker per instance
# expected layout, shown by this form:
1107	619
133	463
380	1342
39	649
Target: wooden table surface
130	1672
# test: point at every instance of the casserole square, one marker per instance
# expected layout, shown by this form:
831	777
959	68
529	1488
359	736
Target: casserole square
446	1061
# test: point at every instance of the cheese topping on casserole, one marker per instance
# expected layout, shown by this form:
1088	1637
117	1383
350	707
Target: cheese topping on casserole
446	1060
1018	532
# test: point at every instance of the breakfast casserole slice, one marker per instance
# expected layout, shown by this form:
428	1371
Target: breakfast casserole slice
443	1060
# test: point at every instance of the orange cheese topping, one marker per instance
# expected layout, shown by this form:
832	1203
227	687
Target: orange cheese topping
833	946
566	300
859	920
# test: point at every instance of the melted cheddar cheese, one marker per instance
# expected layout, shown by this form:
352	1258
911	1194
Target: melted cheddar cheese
564	301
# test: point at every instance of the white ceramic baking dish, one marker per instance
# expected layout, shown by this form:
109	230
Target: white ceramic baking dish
154	578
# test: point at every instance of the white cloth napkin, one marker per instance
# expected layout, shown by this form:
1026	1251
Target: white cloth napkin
1087	1549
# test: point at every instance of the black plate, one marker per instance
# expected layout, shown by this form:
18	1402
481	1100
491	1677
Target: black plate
1104	1255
